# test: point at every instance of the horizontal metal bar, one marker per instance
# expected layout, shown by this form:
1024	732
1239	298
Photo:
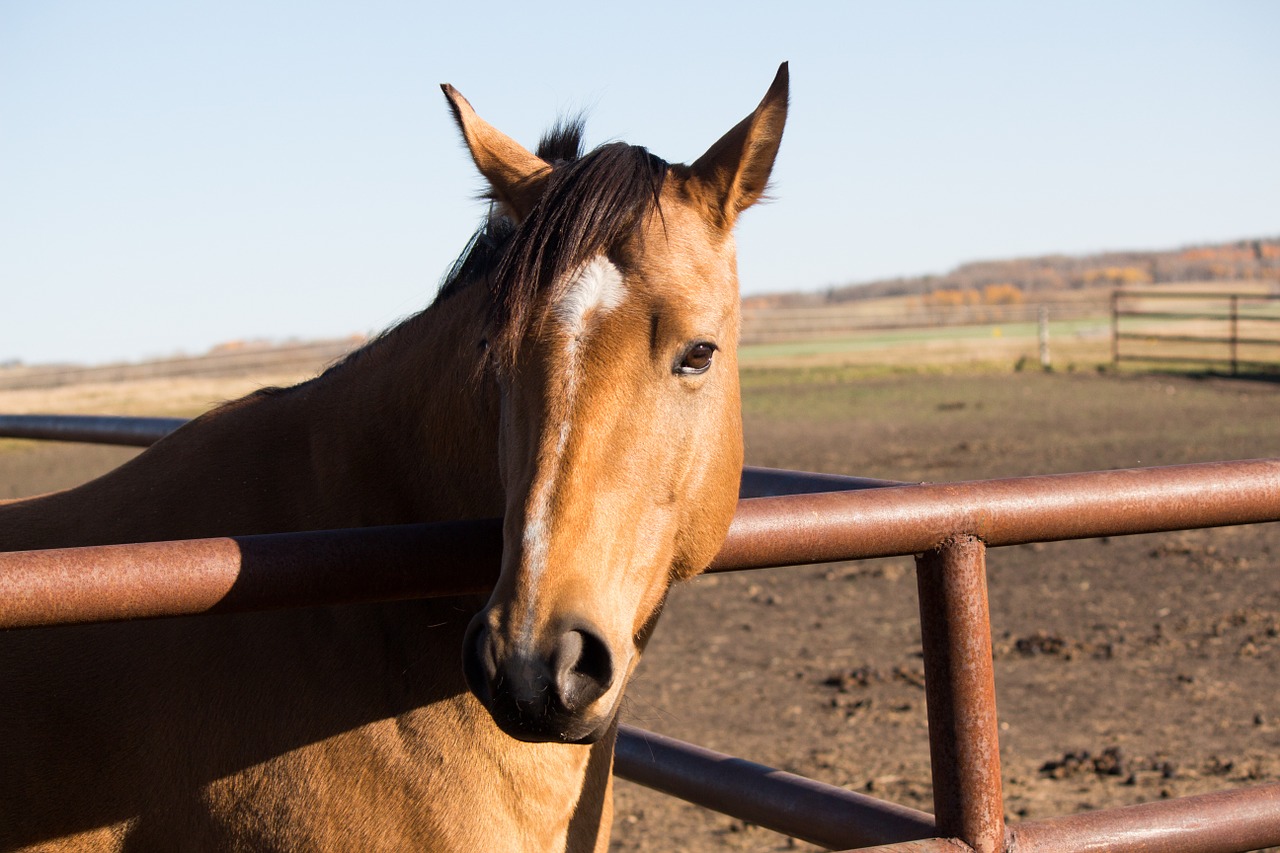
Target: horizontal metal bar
773	482
888	522
1200	294
97	429
245	573
1221	822
1179	315
924	845
793	805
1195	339
425	560
1184	359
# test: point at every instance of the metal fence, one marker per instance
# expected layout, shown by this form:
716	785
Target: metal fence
778	324
1238	330
784	518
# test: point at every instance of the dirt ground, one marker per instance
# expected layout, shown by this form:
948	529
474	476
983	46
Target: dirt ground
1127	669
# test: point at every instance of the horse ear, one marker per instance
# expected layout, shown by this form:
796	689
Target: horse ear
515	175
735	171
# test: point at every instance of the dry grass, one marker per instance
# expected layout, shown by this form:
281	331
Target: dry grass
185	396
169	396
1072	345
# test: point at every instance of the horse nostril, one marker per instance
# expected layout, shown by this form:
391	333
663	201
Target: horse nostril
583	668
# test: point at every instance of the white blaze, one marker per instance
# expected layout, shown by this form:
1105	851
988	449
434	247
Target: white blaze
594	289
596	286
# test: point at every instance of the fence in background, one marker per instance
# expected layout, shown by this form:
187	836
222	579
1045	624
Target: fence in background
1238	330
784	518
763	325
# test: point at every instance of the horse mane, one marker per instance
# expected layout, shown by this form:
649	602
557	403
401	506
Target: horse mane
590	204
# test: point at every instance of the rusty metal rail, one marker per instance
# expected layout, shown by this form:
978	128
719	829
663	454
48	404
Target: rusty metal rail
960	693
913	519
1221	822
793	805
232	574
947	526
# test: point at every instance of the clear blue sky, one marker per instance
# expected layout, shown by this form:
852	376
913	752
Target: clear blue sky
173	175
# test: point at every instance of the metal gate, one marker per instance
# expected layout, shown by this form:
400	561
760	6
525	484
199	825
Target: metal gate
784	518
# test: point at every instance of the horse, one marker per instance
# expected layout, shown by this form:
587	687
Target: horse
576	375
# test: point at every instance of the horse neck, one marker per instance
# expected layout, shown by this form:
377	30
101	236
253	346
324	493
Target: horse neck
410	425
402	432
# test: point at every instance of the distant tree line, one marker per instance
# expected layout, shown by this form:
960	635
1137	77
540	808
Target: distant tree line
1008	282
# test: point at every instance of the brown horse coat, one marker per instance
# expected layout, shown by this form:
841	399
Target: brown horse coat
577	375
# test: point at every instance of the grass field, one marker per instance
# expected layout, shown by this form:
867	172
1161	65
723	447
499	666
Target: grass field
1073	344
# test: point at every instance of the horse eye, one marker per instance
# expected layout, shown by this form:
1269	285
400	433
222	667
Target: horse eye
697	359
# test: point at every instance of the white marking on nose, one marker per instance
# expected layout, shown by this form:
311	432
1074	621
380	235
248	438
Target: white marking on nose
594	289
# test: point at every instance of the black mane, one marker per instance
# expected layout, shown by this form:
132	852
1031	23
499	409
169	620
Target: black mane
590	204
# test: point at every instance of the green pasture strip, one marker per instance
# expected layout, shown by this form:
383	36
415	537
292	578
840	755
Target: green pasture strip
777	374
829	394
872	340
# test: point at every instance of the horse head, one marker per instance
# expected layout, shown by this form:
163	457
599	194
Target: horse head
612	338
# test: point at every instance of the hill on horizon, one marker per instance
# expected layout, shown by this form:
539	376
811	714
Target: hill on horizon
1255	259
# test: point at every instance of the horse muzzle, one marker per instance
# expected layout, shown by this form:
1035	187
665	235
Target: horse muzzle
541	697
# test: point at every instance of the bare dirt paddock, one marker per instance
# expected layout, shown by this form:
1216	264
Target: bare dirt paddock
1126	669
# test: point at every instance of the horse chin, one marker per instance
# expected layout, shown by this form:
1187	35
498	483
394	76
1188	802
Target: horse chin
547	726
572	731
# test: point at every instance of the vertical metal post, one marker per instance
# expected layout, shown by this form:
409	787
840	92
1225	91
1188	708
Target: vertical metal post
1235	332
1044	337
1115	328
960	687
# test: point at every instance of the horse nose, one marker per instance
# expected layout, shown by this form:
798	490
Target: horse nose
533	695
583	668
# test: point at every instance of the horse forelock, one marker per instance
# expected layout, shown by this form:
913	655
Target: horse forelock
562	143
590	205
